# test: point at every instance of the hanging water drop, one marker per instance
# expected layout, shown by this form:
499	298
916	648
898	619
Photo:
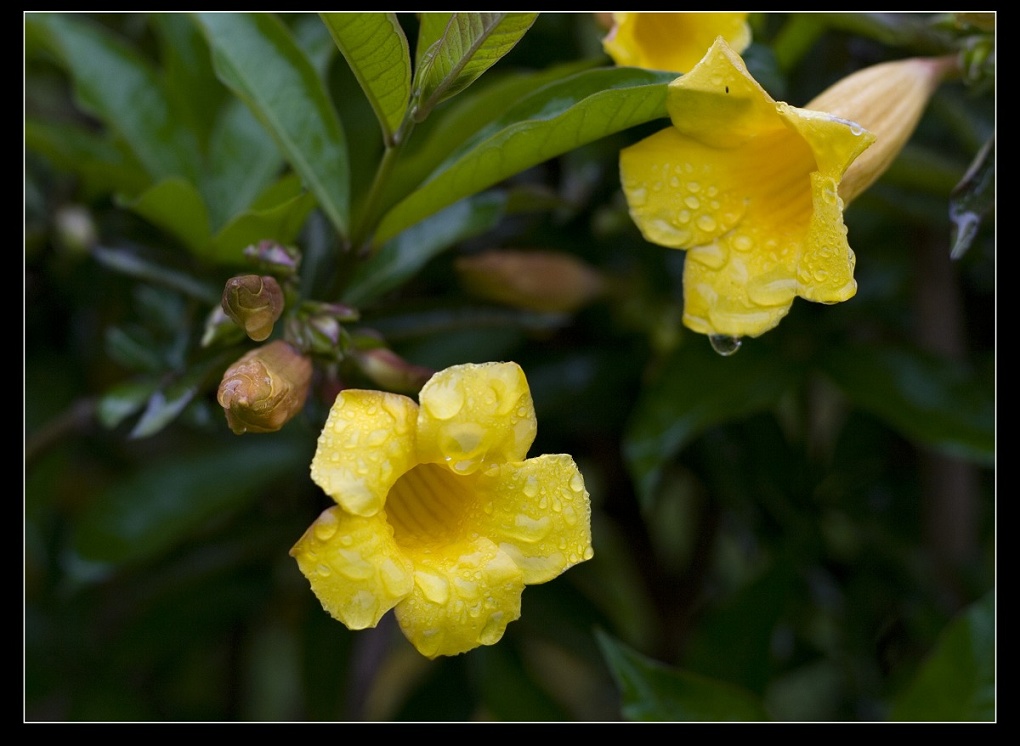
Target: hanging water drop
724	344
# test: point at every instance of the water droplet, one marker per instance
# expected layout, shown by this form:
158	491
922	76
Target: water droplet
326	526
692	202
657	186
323	571
443	401
856	129
531	486
434	587
724	344
637	197
742	243
577	483
706	223
693	186
674	182
712	191
684	216
588	553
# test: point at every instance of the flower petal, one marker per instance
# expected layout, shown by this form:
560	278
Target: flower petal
464	596
356	569
672	41
476	414
367	443
539	513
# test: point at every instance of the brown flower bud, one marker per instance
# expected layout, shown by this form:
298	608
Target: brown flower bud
534	280
391	371
265	388
254	303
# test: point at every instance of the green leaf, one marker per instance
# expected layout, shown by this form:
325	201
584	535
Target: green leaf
166	403
279	215
175	206
123	400
470	45
957	680
557	118
102	167
972	199
652	691
375	47
401	258
243	161
113	82
698	389
930	400
132	264
256	57
158	507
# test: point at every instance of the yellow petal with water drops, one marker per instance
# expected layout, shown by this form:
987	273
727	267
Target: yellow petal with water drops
539	513
719	102
367	443
476	414
671	41
356	569
465	593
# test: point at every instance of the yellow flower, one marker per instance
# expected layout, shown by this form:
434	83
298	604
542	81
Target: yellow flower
674	42
439	513
755	189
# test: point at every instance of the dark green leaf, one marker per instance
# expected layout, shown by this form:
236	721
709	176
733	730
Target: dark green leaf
652	691
176	206
159	506
256	56
930	400
119	87
698	389
123	400
102	168
243	161
167	402
555	119
130	263
401	258
375	47
470	45
972	199
957	681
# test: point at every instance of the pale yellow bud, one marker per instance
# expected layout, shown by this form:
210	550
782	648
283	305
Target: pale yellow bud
265	388
887	100
534	280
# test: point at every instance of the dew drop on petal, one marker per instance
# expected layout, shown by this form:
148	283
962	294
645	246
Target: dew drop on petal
577	483
706	223
692	202
724	344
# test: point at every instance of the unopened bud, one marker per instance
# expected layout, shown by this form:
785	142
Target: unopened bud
391	371
254	303
535	280
887	100
274	257
265	388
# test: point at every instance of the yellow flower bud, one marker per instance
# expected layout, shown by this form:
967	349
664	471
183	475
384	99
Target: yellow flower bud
254	303
887	100
534	280
265	388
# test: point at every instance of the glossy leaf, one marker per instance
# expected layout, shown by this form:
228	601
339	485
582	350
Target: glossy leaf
375	47
927	399
123	400
957	680
257	58
113	82
400	259
168	402
556	118
159	506
652	691
698	389
176	206
243	161
972	200
470	45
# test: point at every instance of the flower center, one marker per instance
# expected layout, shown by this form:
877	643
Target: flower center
428	505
